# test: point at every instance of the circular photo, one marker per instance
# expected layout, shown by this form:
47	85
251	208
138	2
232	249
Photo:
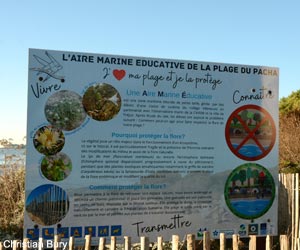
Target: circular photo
250	132
249	191
49	140
47	204
64	110
56	167
102	102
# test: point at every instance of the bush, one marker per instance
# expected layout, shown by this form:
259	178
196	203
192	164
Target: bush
289	147
12	196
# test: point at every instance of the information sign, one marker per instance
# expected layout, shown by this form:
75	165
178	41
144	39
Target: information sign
132	146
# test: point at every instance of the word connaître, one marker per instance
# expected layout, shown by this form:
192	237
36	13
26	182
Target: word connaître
262	94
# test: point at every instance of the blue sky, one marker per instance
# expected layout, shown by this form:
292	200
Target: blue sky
240	32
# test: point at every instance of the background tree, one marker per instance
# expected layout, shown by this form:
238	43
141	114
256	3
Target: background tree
244	115
250	116
255	174
242	176
257	117
289	133
234	179
249	176
235	120
291	104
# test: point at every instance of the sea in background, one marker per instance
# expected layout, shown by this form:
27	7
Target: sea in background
12	155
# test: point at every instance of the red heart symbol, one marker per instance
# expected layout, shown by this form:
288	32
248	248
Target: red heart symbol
119	74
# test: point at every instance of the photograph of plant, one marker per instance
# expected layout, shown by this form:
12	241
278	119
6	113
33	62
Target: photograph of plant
102	102
56	167
64	110
249	191
49	140
47	204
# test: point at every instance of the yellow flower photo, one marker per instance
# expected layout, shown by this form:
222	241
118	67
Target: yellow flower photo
49	140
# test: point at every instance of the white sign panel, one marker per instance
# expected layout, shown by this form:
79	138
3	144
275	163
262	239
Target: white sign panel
132	146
